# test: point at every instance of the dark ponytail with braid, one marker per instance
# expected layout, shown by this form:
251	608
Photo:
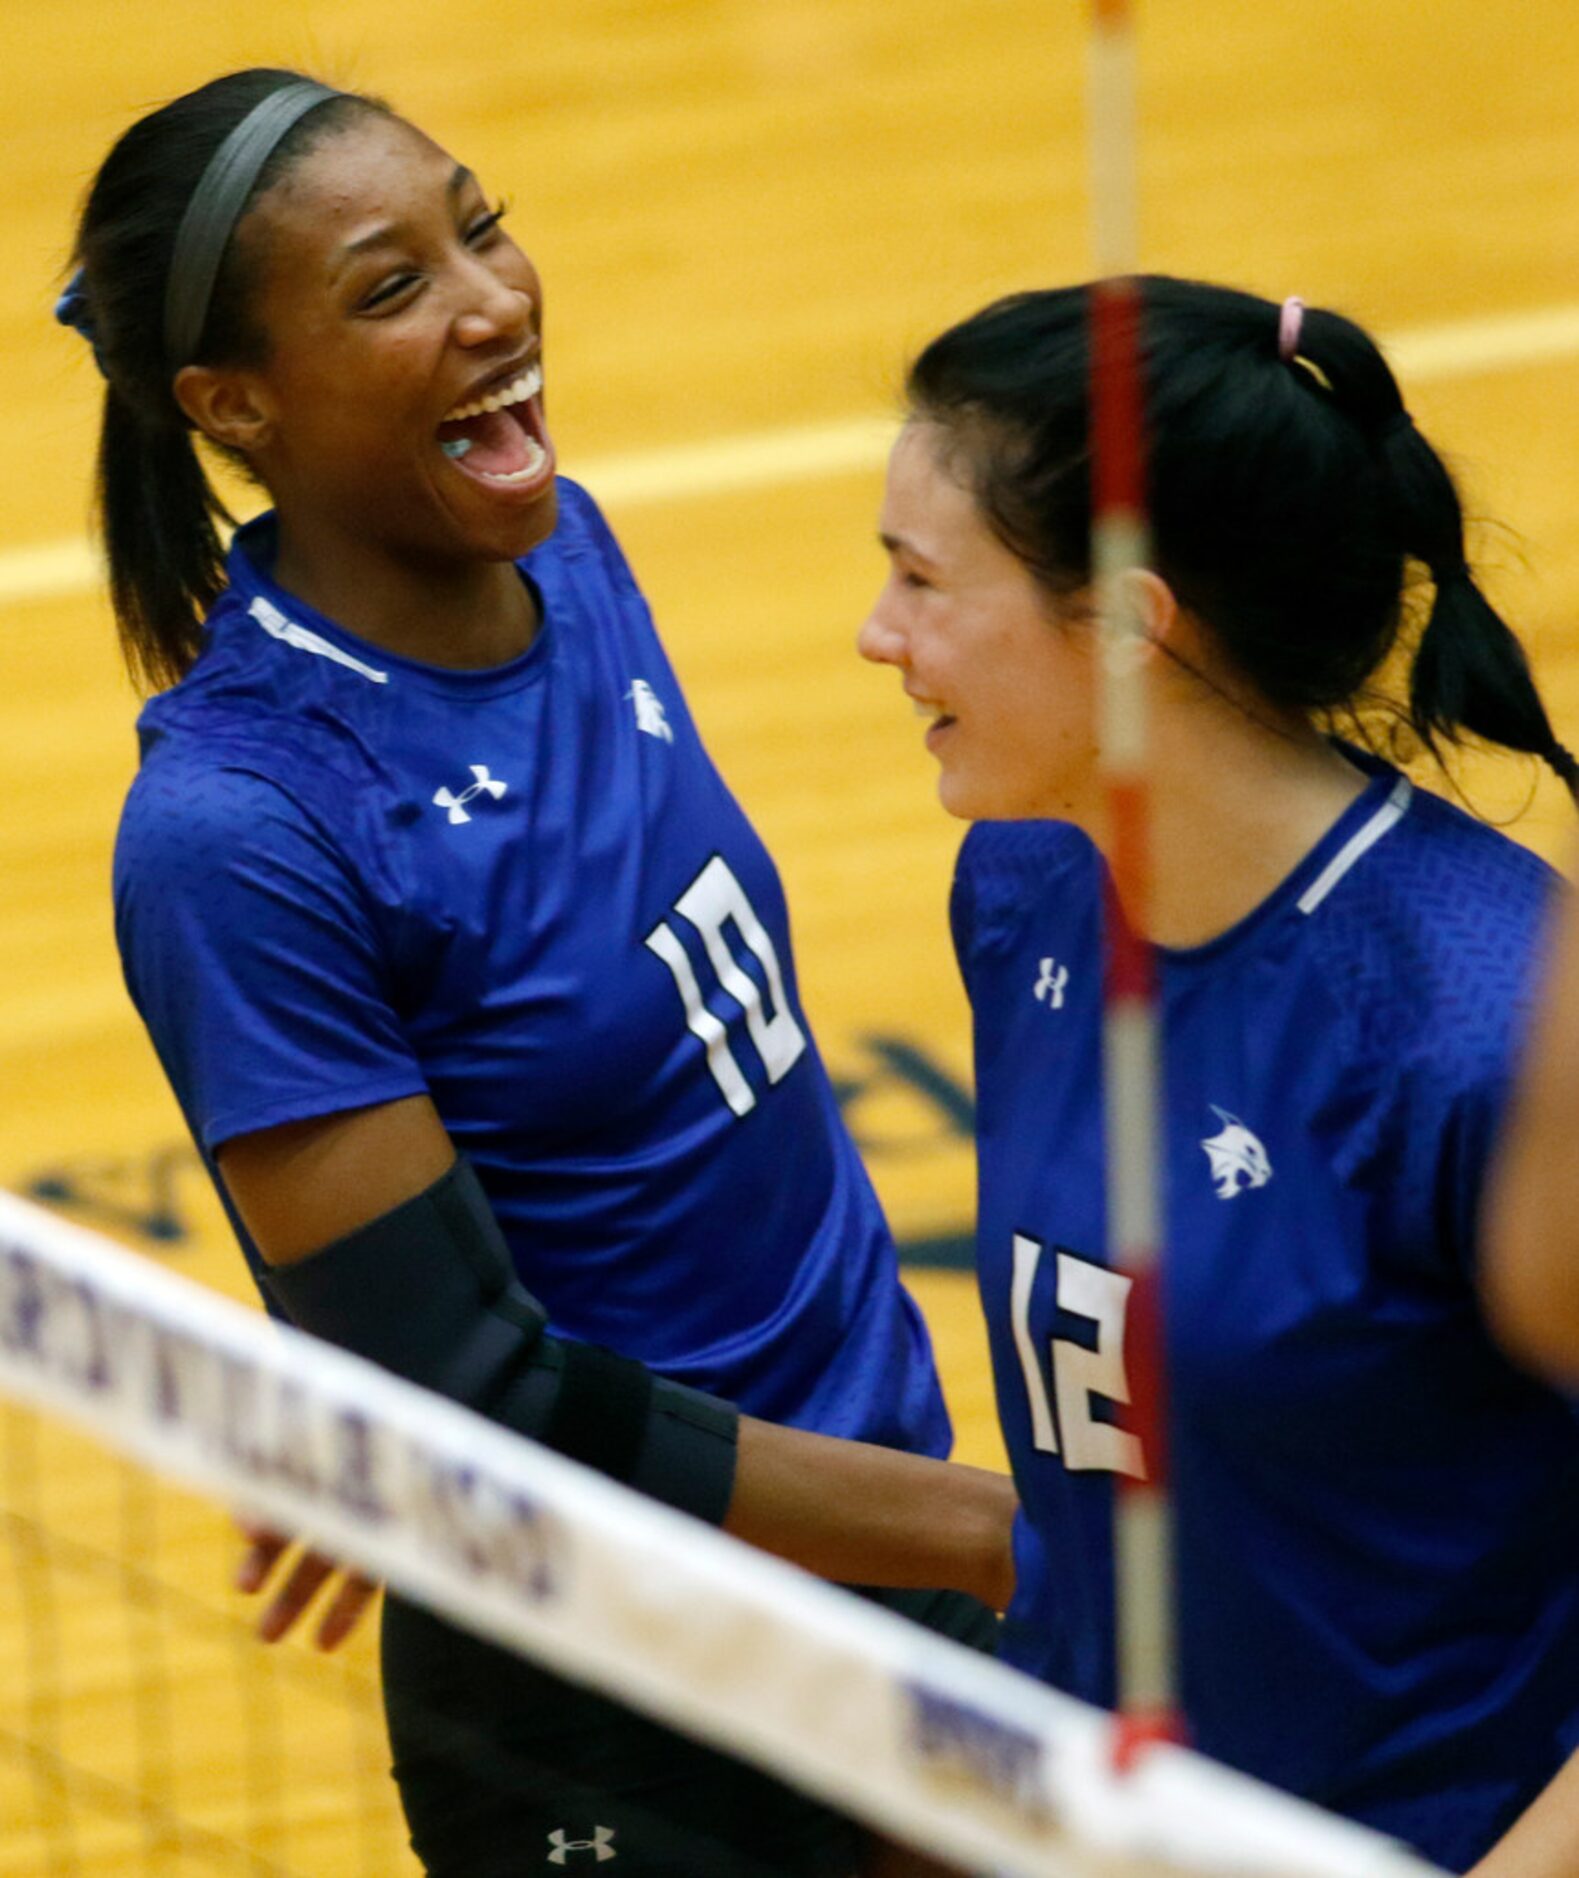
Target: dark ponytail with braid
1470	671
159	515
1289	491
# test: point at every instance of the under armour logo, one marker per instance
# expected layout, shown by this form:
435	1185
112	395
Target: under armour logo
600	1845
1050	986
1236	1156
649	710
485	785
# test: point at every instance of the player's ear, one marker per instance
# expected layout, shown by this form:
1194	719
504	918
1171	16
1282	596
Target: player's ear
1151	606
1155	605
228	405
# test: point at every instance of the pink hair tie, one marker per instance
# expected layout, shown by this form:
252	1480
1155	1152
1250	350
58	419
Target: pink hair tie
1289	322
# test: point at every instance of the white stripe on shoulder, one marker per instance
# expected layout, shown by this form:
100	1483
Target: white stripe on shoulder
274	622
1389	815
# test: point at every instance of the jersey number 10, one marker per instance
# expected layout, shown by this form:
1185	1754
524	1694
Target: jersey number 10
1079	1373
712	901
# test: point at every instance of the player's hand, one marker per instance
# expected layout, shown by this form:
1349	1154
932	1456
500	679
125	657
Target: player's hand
310	1572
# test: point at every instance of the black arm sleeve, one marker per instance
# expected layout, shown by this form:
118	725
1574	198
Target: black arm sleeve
429	1291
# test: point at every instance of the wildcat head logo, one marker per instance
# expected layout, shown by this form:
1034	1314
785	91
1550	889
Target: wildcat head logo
1237	1159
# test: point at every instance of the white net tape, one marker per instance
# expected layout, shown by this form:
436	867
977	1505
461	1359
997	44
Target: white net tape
926	1740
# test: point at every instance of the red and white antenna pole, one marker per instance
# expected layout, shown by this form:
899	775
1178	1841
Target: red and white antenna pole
1131	1027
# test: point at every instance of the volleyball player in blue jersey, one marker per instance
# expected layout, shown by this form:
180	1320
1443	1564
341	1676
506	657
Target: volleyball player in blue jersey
1377	1514
425	855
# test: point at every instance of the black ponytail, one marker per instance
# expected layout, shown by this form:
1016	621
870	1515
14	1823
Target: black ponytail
159	515
1470	672
1289	496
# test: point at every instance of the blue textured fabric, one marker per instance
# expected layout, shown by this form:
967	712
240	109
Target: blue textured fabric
343	877
1377	1516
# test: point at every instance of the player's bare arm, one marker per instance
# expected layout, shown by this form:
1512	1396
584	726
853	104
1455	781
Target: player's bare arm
1544	1841
847	1510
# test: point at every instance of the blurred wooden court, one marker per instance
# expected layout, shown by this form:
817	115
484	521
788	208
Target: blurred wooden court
746	213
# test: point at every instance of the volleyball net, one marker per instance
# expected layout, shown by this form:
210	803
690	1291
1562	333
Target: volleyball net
143	1728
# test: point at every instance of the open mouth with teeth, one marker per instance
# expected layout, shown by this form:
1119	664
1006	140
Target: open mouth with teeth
501	438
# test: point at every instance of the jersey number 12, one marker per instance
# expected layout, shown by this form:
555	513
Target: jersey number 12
712	901
1079	1373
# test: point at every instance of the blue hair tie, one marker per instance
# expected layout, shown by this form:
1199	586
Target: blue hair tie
73	309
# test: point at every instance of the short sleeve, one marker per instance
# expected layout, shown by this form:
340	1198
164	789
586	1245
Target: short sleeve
253	955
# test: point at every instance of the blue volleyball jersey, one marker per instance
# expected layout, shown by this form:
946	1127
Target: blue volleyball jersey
345	877
1377	1516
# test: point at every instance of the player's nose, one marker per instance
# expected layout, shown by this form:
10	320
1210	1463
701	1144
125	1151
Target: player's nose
490	308
879	639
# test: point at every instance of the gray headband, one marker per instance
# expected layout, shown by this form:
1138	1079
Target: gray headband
216	207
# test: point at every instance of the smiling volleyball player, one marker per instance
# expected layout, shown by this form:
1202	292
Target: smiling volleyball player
1377	1516
425	855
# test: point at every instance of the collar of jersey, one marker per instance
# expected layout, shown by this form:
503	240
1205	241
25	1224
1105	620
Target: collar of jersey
249	567
1284	898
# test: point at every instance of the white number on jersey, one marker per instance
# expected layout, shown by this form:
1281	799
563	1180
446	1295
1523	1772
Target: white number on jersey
715	898
1078	1373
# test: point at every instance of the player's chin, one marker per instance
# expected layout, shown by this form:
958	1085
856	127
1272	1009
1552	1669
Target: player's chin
978	798
501	531
960	799
538	522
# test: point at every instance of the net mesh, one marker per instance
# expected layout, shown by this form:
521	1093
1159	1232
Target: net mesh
143	1729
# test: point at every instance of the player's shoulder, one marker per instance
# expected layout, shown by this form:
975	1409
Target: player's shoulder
194	811
228	764
579	515
581	567
1433	943
268	695
1462	865
1008	858
1008	873
581	530
1464	893
226	768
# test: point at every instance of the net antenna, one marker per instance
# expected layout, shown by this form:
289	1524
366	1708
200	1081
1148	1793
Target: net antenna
1148	1691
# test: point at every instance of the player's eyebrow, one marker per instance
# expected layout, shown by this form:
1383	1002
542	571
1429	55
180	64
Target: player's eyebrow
387	234
897	544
